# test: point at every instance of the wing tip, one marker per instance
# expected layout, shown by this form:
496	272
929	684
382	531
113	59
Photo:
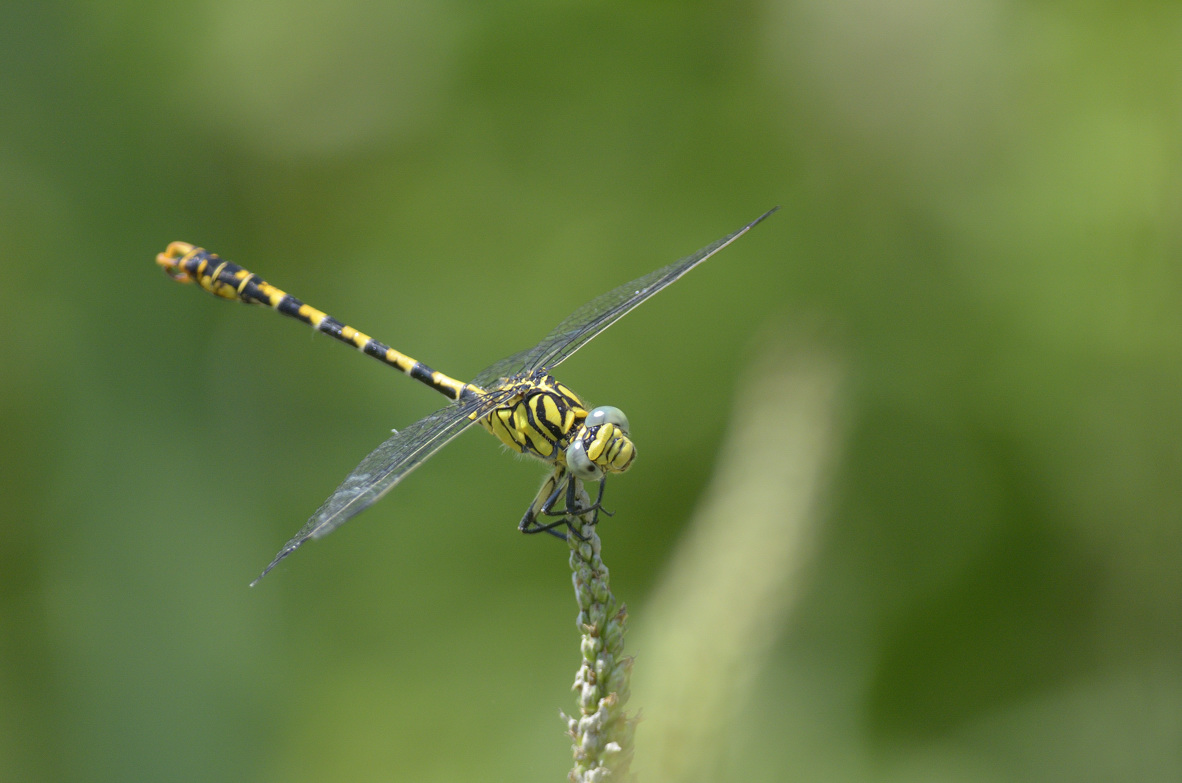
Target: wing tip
283	553
762	217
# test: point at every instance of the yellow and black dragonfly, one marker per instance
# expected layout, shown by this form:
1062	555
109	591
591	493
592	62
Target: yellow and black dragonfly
515	399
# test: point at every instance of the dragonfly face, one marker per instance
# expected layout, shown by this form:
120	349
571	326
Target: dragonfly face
601	445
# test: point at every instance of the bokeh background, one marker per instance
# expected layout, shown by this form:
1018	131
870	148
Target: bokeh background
979	239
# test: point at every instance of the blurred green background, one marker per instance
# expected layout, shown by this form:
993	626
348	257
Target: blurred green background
980	219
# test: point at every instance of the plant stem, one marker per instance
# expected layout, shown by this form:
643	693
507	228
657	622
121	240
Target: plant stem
602	732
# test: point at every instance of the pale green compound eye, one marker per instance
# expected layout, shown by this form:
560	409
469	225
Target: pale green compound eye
580	464
606	414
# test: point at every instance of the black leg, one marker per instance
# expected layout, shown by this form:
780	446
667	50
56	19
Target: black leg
564	515
529	522
562	481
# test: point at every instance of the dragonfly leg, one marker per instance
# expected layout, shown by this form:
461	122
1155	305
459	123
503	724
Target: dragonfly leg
551	528
571	509
529	522
556	484
572	505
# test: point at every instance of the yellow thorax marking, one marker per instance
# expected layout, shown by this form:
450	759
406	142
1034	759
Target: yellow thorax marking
537	419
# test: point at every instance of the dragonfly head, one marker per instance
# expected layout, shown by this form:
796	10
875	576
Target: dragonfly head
601	445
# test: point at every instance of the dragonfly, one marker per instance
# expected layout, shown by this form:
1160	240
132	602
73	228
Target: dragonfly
516	398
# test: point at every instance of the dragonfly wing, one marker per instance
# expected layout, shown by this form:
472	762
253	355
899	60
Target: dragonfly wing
385	466
505	368
584	324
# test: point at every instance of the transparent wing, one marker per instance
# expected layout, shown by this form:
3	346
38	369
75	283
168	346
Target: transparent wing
505	368
385	466
581	326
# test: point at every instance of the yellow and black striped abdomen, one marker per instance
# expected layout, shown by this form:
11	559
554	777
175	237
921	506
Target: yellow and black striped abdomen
538	418
184	262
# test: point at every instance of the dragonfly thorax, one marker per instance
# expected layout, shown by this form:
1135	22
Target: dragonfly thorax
537	417
545	419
